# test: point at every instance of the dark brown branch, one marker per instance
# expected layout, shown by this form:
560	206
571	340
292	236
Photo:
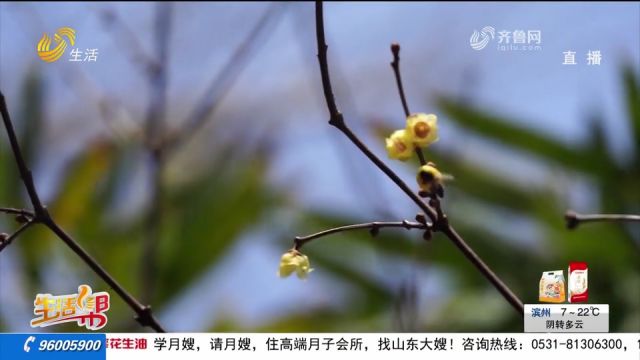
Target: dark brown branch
372	226
144	315
574	219
19	212
336	119
227	76
395	64
24	171
440	224
6	242
435	202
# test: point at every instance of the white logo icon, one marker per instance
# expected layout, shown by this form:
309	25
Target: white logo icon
479	40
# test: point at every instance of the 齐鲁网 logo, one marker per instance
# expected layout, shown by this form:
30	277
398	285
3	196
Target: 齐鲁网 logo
86	308
507	40
479	40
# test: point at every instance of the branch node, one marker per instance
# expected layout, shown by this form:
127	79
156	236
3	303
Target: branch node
42	215
145	317
337	120
375	230
441	222
22	218
571	219
395	50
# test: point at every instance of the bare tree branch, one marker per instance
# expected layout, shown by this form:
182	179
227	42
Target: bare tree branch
12	211
158	141
574	219
25	173
439	223
227	76
128	39
373	227
154	136
6	242
395	64
41	215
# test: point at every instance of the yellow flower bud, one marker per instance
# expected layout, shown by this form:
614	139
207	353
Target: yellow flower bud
399	145
294	261
422	129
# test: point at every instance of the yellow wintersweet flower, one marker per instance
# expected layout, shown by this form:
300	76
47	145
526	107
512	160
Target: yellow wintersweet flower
422	129
399	145
294	261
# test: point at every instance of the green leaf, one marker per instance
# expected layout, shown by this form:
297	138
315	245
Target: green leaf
474	311
630	78
209	216
82	177
376	297
317	320
479	182
503	131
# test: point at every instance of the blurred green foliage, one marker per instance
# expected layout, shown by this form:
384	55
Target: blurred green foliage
204	217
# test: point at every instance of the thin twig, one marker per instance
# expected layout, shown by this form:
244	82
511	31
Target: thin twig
154	135
13	211
128	40
372	226
395	64
337	120
6	242
41	215
227	76
154	121
574	219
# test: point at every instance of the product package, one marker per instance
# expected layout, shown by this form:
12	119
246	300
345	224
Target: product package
552	287
578	288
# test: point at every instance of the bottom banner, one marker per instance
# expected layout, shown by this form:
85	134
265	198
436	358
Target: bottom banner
136	346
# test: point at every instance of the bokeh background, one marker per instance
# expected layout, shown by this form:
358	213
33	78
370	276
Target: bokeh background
525	137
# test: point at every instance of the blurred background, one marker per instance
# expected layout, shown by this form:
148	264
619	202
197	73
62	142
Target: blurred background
196	229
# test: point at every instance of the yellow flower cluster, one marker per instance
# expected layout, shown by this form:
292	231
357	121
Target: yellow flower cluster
294	261
421	131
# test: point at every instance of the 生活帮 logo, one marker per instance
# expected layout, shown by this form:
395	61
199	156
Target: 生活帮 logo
86	308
